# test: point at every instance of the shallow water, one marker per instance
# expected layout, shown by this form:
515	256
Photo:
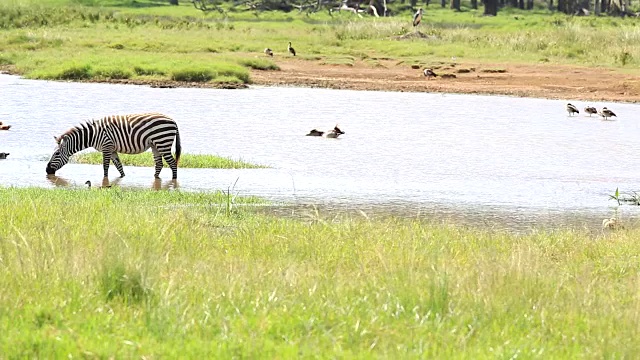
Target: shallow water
511	162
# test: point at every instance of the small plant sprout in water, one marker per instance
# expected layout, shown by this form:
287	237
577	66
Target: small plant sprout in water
616	196
632	198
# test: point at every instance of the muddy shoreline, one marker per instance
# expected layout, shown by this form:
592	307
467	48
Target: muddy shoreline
539	81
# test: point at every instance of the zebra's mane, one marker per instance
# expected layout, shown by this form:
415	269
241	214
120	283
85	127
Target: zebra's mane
79	127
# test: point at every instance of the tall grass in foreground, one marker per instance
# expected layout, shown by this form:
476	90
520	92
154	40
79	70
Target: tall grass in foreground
103	273
199	161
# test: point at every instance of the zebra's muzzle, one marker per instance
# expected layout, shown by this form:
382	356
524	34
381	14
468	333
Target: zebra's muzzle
50	170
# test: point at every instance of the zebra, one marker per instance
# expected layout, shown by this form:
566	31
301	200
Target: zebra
127	134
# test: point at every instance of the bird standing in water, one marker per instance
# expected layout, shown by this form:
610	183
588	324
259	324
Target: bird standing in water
417	17
606	113
88	183
291	50
572	109
590	110
3	155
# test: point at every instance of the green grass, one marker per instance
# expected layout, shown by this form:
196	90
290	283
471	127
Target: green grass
63	39
166	274
198	161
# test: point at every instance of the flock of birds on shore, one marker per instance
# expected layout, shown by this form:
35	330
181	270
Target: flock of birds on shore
605	113
417	18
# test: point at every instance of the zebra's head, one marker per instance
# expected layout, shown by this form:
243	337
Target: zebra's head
60	156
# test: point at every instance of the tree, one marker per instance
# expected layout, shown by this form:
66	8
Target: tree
474	4
491	7
455	5
173	2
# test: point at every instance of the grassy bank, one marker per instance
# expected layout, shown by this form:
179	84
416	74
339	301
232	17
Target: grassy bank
58	39
198	161
172	274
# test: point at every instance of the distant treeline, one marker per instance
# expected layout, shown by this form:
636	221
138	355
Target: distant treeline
389	7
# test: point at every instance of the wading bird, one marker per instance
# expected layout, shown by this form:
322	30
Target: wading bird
315	132
333	134
3	155
268	51
606	113
572	109
590	110
417	17
291	50
428	73
88	183
5	127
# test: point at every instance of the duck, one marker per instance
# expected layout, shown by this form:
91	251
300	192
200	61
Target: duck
315	132
417	17
590	110
291	50
606	113
5	127
88	183
571	109
333	134
3	155
428	73
268	51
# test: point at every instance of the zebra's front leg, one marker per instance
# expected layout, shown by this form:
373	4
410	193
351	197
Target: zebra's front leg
106	159
116	161
157	158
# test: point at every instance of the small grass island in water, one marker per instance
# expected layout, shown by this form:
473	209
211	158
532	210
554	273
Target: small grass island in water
197	161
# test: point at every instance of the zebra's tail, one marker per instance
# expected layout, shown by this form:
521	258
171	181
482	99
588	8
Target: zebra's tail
178	147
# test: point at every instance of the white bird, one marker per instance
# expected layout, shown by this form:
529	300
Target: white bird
612	224
428	73
590	110
572	109
417	17
268	51
606	113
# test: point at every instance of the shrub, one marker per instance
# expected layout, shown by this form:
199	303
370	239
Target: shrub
259	64
193	75
75	72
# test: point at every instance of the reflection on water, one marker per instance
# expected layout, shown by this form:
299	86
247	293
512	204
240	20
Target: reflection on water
527	164
58	181
157	184
167	185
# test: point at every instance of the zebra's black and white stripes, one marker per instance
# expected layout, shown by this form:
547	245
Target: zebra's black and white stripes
126	134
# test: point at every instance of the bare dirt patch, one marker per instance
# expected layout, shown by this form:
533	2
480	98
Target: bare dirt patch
542	81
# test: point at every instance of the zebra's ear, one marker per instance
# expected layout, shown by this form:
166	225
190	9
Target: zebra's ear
57	139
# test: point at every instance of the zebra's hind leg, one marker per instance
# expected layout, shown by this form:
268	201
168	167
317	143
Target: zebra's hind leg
106	159
172	163
116	161
157	158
